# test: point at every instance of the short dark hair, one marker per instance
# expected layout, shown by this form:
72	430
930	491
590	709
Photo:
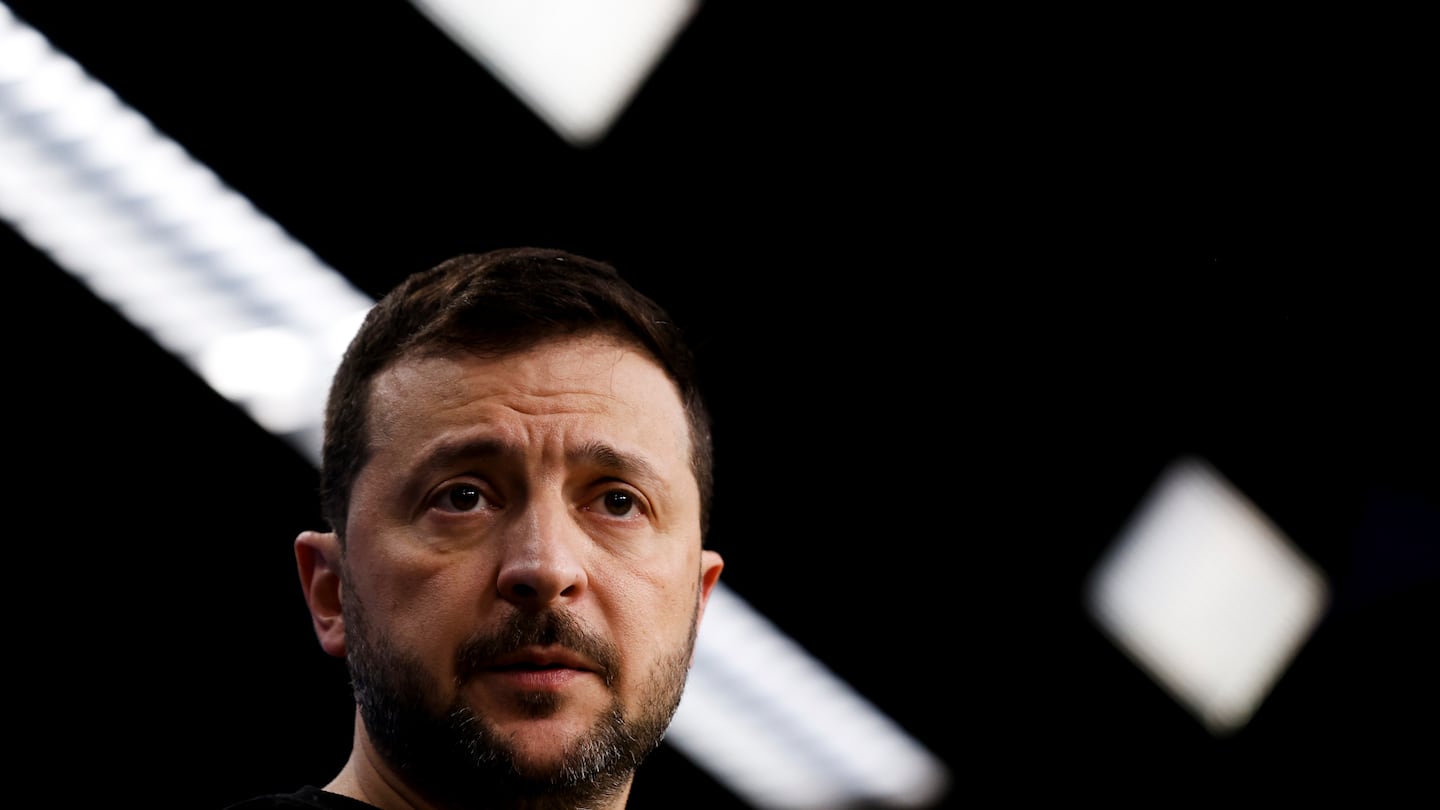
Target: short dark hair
497	303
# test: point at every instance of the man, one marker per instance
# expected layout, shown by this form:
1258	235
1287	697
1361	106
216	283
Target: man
517	476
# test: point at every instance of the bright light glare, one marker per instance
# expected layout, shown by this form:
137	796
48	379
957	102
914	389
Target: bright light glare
575	63
1207	595
267	368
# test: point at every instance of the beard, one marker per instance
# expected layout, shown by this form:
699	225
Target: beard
451	754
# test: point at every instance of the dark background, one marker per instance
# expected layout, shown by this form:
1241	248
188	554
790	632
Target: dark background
962	287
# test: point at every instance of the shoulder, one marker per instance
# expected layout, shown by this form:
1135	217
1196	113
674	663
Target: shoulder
306	798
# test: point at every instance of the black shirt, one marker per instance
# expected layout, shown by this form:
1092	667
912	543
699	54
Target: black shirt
308	797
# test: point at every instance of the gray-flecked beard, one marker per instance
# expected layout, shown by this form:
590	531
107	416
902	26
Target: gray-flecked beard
452	756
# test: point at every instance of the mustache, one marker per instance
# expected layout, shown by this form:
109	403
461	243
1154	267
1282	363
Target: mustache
521	630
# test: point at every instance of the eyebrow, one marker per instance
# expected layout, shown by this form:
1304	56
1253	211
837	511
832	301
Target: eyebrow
608	457
596	453
450	453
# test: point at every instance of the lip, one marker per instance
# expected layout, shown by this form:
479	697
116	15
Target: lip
538	669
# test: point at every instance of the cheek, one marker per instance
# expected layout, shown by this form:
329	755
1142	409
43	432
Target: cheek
654	611
424	604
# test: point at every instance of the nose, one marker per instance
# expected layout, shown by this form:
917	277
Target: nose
543	557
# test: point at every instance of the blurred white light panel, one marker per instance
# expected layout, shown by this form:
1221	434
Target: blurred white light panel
257	316
1207	595
160	237
575	63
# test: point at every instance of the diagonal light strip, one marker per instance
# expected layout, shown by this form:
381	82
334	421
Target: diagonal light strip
157	235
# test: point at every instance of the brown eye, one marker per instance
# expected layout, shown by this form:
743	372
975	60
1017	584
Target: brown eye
463	497
619	502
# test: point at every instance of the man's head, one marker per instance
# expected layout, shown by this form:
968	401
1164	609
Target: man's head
517	471
494	303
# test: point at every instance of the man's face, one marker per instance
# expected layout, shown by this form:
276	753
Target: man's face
523	571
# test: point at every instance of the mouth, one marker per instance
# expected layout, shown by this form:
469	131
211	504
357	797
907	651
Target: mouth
526	667
538	669
540	658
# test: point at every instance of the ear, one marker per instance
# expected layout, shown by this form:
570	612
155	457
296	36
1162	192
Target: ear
710	566
317	554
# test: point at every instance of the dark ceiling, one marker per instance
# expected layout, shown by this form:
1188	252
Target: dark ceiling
961	287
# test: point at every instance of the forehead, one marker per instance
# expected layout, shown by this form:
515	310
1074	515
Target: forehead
573	389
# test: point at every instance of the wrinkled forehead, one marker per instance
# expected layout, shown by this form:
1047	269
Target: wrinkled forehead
591	381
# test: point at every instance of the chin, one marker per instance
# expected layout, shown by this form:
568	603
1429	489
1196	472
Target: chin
544	743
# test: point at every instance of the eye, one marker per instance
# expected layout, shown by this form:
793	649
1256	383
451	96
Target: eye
459	497
619	503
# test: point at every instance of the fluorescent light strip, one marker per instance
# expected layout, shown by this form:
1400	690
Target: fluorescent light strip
154	233
161	238
751	681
